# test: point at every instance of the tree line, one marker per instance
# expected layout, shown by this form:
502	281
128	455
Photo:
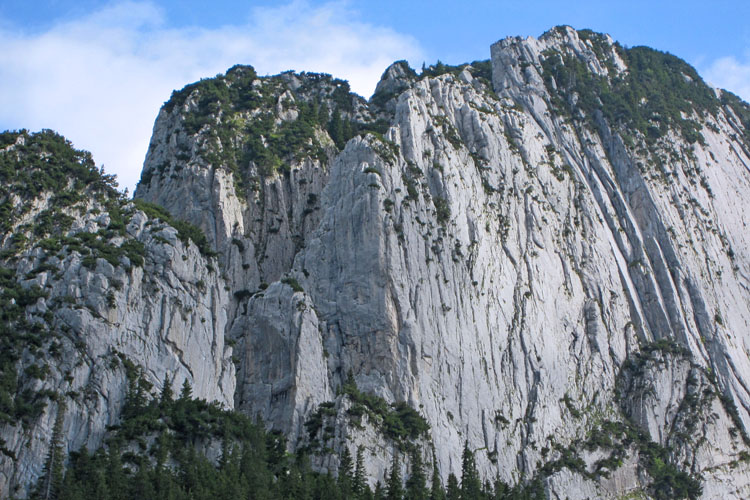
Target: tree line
159	451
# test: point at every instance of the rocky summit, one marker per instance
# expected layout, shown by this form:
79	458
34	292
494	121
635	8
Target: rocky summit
524	277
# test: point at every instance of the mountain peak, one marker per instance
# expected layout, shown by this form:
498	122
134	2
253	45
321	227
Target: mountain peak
531	268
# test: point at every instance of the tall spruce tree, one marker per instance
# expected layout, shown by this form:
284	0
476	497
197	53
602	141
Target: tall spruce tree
346	473
117	482
167	394
471	485
488	490
379	493
416	485
141	486
360	485
453	491
436	491
501	489
395	488
186	393
336	129
52	477
163	482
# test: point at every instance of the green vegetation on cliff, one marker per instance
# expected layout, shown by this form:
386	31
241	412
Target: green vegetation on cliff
741	110
57	209
658	91
260	126
45	162
43	181
161	447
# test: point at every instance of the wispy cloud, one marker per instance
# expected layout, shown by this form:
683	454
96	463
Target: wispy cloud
101	79
730	73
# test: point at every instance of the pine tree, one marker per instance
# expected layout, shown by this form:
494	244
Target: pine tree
350	385
52	477
416	485
291	485
117	482
71	489
488	490
367	494
141	486
378	494
347	132
360	485
167	395
336	129
92	470
186	394
395	489
162	474
471	485
323	113
500	489
346	473
453	491
302	464
99	487
326	487
135	398
436	490
79	471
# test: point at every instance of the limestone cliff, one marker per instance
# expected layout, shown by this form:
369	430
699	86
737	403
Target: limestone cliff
495	256
542	256
95	294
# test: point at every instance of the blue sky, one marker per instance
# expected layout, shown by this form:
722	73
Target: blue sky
97	71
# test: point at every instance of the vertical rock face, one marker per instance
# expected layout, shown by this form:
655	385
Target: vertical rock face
521	260
542	257
96	296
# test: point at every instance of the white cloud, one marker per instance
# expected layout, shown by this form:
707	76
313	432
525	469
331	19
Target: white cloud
101	79
731	74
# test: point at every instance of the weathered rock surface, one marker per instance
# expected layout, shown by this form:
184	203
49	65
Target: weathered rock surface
544	254
160	313
494	262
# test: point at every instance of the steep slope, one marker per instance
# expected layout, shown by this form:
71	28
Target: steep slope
541	259
529	263
98	294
